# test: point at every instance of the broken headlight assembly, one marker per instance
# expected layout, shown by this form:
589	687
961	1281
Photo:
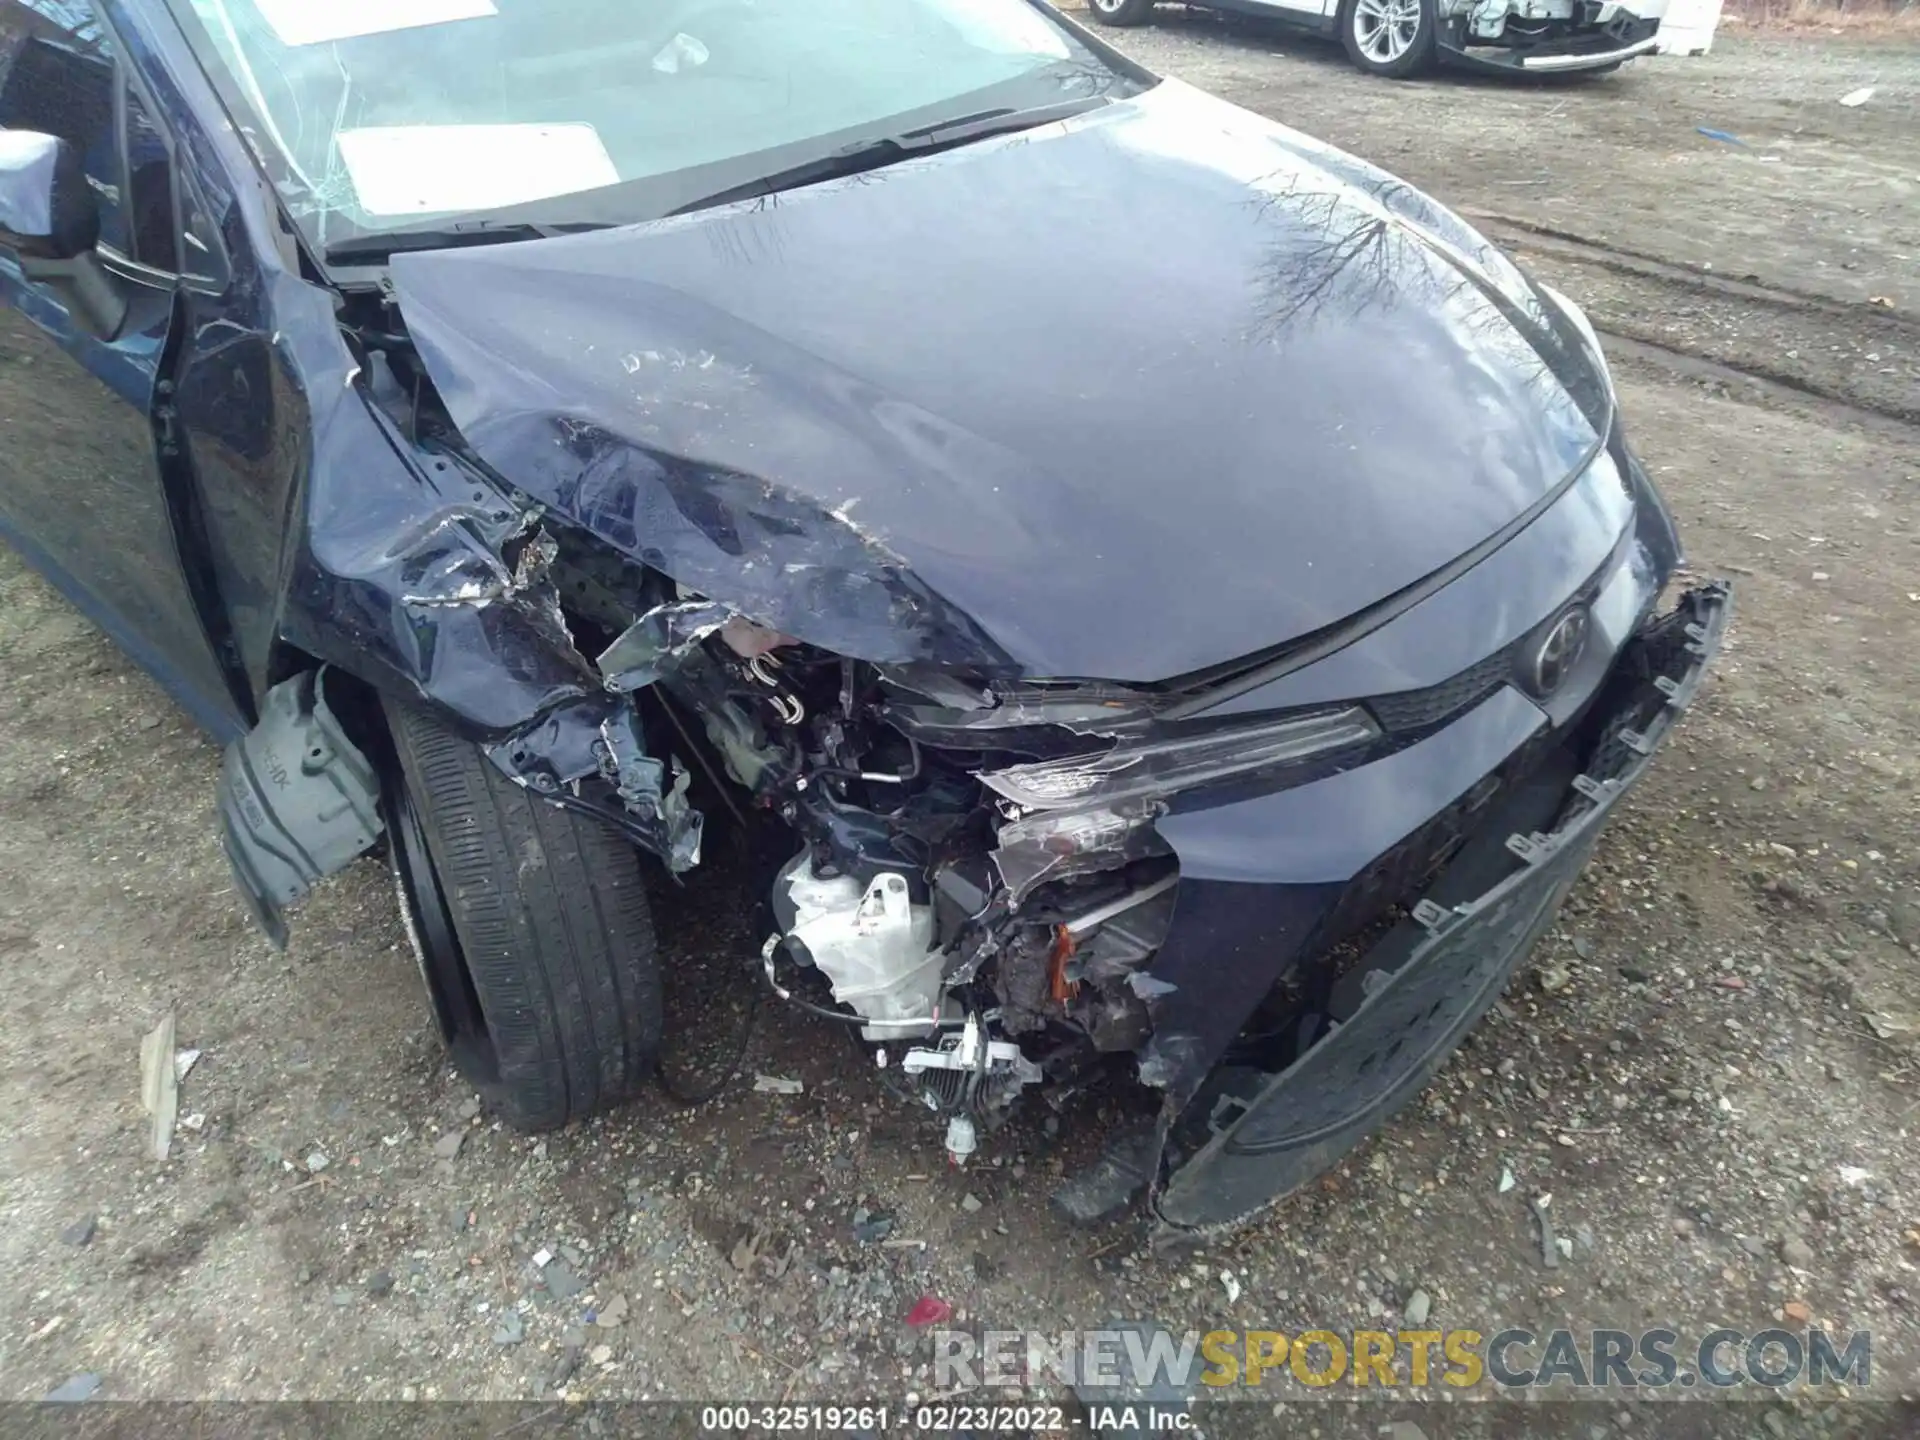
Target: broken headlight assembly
1081	813
980	882
1133	770
949	708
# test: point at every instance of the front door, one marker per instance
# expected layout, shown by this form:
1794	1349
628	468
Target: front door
85	493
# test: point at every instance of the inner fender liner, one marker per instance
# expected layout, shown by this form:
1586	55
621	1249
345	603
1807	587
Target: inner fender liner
297	799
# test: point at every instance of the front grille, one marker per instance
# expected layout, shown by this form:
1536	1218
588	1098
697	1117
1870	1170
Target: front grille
1409	711
1423	709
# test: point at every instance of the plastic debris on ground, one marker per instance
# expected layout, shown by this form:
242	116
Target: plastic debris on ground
1855	98
160	1084
80	1387
1722	136
776	1085
929	1310
1549	1243
1894	1027
870	1228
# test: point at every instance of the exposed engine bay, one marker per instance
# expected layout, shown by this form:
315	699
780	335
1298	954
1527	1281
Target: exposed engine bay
945	902
976	949
1489	20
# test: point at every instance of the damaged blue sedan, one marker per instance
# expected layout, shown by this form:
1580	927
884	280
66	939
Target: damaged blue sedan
1174	604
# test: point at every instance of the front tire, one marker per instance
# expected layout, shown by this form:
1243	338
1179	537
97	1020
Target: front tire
1120	12
532	929
1391	38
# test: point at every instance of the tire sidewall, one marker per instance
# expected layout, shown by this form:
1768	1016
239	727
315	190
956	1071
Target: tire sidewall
557	1010
1419	56
458	1016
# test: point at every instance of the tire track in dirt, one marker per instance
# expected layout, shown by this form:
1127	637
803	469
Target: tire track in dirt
1585	249
1864	359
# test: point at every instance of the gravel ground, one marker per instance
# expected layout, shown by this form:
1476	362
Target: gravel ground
1710	1068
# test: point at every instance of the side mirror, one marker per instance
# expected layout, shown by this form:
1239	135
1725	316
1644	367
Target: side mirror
47	210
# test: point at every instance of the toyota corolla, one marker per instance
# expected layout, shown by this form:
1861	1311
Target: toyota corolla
1177	605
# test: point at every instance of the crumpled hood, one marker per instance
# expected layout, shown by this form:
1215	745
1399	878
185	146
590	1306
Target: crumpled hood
1122	397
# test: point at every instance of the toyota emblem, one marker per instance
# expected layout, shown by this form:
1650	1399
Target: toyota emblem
1559	652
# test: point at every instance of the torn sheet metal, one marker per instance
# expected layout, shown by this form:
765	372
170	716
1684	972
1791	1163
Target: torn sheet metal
651	646
658	804
418	573
599	739
594	430
459	575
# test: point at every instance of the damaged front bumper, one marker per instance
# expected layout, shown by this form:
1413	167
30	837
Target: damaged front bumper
1250	1138
1600	46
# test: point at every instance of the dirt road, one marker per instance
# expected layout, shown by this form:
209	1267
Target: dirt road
1711	1070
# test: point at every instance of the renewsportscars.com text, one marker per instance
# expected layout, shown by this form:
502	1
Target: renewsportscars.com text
1511	1358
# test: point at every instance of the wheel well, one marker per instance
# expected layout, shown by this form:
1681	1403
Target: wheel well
354	701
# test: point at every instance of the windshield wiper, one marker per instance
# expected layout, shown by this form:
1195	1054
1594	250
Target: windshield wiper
865	155
375	246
